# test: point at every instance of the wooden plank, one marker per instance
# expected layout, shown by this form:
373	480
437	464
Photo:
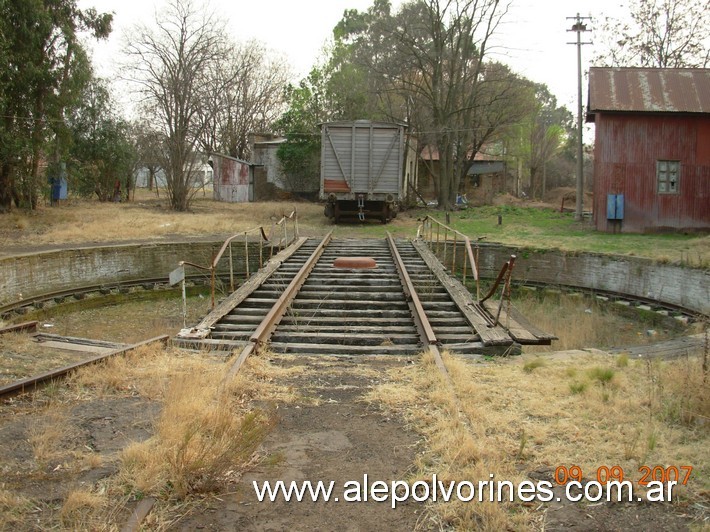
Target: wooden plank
208	344
202	329
461	296
344	338
138	515
82	348
347	328
318	349
519	333
46	337
545	338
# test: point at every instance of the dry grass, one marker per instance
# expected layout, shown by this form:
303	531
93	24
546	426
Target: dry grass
23	357
512	422
49	435
200	439
581	322
13	509
79	509
204	436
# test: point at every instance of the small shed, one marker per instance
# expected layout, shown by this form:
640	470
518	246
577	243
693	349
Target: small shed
652	148
233	179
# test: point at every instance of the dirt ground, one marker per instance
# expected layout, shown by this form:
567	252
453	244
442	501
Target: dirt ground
337	438
329	433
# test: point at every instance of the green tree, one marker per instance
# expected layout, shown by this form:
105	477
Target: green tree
428	65
538	138
309	105
43	67
102	154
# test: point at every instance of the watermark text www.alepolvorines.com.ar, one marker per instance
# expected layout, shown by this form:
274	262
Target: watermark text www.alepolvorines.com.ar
399	491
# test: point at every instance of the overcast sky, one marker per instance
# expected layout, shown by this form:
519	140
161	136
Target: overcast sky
533	37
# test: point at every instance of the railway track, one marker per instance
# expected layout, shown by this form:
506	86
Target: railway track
400	306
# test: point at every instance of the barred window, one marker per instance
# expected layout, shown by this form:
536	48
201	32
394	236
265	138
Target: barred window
668	175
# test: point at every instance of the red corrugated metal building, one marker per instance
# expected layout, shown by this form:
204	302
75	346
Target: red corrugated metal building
652	148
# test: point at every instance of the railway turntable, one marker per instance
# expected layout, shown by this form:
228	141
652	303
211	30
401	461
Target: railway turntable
361	297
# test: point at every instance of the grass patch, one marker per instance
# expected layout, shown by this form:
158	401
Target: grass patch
602	375
529	227
532	365
581	322
149	217
577	387
537	423
203	437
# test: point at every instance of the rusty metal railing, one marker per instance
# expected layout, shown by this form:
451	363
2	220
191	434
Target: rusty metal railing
281	227
439	236
425	232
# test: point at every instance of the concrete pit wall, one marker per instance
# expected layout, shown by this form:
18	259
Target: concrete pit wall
31	275
642	278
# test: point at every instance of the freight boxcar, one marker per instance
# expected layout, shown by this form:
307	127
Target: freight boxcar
362	169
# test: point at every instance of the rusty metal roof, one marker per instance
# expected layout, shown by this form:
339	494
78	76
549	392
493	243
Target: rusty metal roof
650	90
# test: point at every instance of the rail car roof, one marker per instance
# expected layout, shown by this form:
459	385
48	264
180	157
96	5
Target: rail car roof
373	123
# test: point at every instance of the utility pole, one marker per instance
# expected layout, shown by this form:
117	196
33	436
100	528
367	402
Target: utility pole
579	27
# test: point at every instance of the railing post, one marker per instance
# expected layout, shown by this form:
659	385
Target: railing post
438	228
446	241
478	276
231	268
212	283
261	249
246	254
453	259
465	264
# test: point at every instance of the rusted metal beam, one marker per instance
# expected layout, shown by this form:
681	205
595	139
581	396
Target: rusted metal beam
139	514
32	383
265	329
506	288
27	326
420	318
497	282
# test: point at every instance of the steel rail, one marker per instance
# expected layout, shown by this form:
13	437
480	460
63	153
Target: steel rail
86	289
27	326
265	329
32	383
426	332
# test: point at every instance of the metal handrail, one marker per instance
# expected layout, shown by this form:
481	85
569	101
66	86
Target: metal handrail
425	231
263	239
469	260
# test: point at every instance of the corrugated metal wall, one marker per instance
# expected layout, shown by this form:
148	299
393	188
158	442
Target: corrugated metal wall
365	155
627	147
232	179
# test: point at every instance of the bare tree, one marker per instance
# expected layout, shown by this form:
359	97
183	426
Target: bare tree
251	99
461	98
659	33
174	64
